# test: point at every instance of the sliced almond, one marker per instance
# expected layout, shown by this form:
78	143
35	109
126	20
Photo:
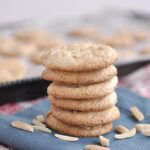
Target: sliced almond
41	128
95	147
137	113
146	132
38	123
121	129
129	134
40	118
66	138
104	141
140	127
22	125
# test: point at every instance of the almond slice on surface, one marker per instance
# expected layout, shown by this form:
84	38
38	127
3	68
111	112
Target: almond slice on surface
40	118
140	127
146	132
66	138
129	134
95	147
38	123
138	115
121	129
41	128
104	141
22	125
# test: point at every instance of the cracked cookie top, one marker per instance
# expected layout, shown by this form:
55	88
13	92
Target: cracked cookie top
80	57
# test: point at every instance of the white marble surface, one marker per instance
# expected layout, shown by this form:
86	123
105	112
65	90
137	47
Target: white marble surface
12	10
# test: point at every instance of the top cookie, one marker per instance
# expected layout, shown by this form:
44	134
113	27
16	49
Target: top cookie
80	57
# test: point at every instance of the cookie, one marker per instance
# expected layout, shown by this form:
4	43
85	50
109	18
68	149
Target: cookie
30	35
49	42
145	51
26	49
94	76
64	128
140	34
8	47
80	57
118	41
92	118
85	105
11	70
85	31
127	54
74	91
136	34
40	38
127	38
36	57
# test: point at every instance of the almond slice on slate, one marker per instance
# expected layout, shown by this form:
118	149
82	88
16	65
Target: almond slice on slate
66	138
41	128
104	141
140	127
146	132
22	125
126	135
138	115
121	129
40	118
95	147
38	123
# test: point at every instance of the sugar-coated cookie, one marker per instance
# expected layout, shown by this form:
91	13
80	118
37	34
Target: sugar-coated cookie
26	49
83	91
9	47
36	57
92	118
118	41
80	57
85	31
40	37
145	51
64	128
85	105
31	34
127	54
93	76
140	34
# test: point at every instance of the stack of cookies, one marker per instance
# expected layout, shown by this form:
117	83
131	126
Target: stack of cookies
83	92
